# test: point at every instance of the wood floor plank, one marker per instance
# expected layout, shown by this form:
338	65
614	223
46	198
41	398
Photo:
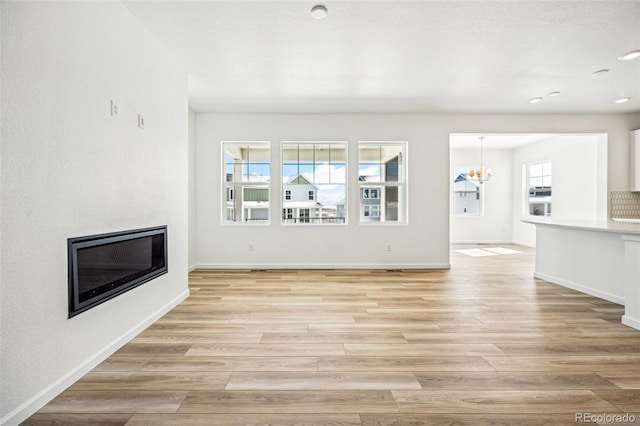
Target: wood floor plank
490	419
373	327
188	327
229	363
322	381
438	319
630	380
292	319
334	337
123	363
156	381
516	380
45	419
496	402
323	402
395	364
265	349
602	364
561	348
237	419
115	401
625	400
575	319
417	349
156	337
155	349
494	338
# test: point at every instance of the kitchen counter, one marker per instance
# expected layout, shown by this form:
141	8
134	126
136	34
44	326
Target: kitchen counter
620	226
600	258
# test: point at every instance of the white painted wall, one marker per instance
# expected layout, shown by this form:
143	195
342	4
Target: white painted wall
495	223
579	180
192	187
69	169
424	241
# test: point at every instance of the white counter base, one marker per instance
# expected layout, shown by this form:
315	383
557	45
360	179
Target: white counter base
581	288
589	262
599	259
631	315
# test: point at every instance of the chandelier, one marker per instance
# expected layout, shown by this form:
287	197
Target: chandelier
480	174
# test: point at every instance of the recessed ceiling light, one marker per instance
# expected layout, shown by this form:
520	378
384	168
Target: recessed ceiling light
630	55
535	100
600	72
553	93
319	11
622	100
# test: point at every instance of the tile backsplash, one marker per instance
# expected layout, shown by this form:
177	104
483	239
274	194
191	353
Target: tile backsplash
625	205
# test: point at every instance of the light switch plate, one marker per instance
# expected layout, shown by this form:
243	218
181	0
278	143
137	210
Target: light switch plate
115	109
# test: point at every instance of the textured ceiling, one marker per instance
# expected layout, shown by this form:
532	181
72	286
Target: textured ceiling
401	56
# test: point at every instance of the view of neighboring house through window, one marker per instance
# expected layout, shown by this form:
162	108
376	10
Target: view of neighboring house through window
539	200
371	211
247	176
314	182
382	181
466	194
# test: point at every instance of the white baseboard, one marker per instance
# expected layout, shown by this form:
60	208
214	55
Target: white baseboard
631	322
193	267
323	266
583	289
26	409
480	242
525	244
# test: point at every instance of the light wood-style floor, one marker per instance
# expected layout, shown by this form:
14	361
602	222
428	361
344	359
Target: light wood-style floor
481	344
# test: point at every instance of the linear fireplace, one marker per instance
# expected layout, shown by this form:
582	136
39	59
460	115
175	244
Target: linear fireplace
104	266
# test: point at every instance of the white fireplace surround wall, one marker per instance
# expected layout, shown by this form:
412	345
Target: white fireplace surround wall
68	168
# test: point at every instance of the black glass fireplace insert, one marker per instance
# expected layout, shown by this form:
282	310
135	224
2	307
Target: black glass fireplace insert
104	266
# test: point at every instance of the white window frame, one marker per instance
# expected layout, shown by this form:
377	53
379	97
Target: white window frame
313	219
402	184
548	201
242	185
457	194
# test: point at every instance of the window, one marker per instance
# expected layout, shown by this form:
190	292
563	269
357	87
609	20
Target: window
466	194
539	194
371	211
303	215
382	181
370	193
314	182
246	180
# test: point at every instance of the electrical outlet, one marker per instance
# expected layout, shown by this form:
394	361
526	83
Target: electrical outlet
388	247
141	121
115	109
